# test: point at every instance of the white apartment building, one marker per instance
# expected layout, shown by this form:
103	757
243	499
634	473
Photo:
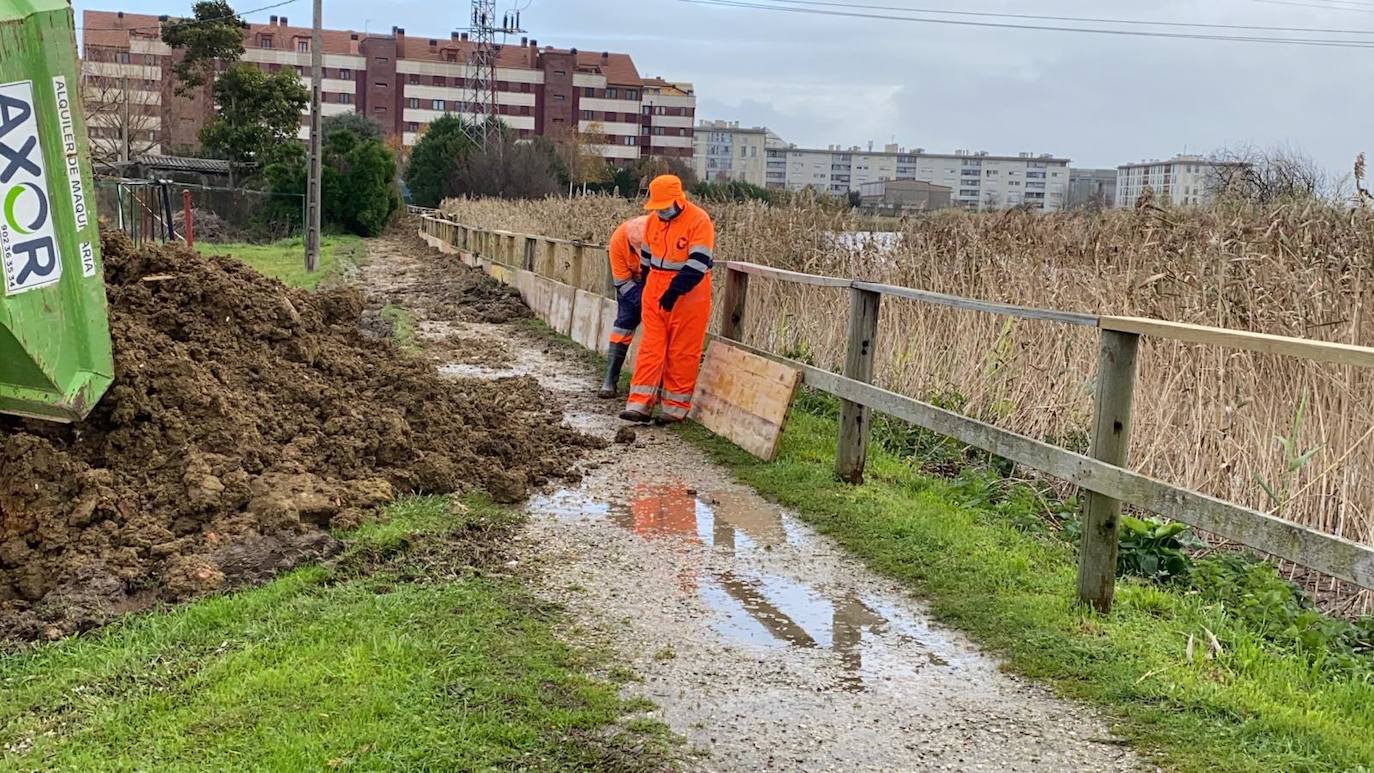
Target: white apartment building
979	180
725	151
1180	181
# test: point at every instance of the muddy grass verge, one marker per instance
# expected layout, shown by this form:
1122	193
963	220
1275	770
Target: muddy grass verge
245	419
414	648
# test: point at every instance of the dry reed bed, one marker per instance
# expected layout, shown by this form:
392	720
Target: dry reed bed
1206	417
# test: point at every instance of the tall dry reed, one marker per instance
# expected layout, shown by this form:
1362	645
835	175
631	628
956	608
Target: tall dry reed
1206	417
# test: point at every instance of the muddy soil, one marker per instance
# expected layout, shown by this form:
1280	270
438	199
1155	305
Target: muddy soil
245	419
761	642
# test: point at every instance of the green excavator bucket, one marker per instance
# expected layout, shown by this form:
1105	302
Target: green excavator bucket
55	359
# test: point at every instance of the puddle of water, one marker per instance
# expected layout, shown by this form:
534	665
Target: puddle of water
875	640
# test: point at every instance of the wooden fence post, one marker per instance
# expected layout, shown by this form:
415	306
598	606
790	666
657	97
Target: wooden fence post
608	286
852	452
575	268
732	304
1116	366
551	256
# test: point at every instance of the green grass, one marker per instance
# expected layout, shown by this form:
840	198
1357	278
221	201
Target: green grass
405	654
285	259
403	326
987	565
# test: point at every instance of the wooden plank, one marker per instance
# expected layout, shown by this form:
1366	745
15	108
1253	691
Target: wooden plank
1326	553
586	319
796	277
851	451
732	303
1116	367
744	398
971	304
561	307
1326	351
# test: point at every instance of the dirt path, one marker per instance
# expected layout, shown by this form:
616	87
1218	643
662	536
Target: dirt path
762	643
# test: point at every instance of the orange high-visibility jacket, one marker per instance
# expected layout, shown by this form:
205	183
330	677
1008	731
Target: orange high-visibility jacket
686	244
624	257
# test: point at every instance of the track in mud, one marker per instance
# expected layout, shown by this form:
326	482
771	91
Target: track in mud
762	644
246	418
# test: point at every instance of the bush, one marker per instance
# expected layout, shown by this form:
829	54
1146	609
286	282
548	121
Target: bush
734	190
357	184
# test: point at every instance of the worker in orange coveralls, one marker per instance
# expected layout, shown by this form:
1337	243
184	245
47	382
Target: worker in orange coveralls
629	284
676	258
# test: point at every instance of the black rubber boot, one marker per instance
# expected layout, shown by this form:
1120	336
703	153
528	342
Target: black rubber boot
615	362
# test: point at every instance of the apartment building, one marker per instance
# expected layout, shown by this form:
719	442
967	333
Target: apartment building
405	83
725	151
1181	181
979	180
1092	188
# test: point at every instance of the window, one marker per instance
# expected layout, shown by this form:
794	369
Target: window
412	103
682	132
560	73
380	59
631	94
661	111
300	70
588	115
415	79
630	140
379	110
438	105
647	110
411	126
345	99
439	80
450	57
264	41
122	57
589	92
560	98
302	46
345	73
380	84
611	93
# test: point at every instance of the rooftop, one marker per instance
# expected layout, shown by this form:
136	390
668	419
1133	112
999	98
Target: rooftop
116	28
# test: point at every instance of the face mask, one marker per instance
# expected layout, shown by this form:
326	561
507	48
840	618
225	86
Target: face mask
669	213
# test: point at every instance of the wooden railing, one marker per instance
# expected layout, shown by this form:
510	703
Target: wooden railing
1102	473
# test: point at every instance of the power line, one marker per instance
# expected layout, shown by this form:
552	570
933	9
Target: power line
1313	42
1080	19
188	22
1294	4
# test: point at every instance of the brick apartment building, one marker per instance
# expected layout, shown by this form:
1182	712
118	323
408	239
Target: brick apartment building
402	82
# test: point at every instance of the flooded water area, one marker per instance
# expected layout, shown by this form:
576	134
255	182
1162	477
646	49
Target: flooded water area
728	558
767	647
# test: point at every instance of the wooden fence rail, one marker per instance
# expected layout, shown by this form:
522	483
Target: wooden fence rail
1103	473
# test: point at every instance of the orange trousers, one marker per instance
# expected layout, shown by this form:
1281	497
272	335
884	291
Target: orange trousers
670	351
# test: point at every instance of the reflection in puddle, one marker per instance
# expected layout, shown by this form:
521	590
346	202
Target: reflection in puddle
874	640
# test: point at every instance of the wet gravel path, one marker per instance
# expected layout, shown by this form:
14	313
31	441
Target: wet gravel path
761	642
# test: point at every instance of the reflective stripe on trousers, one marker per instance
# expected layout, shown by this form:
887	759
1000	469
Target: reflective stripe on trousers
670	350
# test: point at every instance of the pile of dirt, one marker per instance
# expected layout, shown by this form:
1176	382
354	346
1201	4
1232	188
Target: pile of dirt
245	418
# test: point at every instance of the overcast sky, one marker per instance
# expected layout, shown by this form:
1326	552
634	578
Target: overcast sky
1099	100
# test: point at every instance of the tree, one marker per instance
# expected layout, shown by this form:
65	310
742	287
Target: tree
581	153
361	126
259	114
434	161
120	123
507	168
213	34
1269	176
358	183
